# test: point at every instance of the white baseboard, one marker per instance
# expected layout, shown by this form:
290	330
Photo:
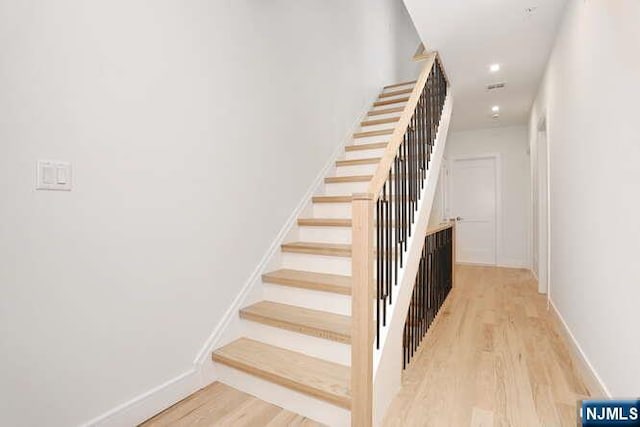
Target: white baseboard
144	406
594	382
149	403
513	263
500	264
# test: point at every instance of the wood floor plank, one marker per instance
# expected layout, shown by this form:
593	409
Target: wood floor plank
221	405
494	356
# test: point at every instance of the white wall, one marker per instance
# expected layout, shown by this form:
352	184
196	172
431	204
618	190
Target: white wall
438	214
194	129
512	144
590	99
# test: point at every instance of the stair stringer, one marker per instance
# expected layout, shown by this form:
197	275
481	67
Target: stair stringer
387	369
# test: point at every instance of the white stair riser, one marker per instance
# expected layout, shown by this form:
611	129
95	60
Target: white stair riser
342	188
338	210
332	210
307	298
317	263
325	234
364	154
329	350
316	409
369	169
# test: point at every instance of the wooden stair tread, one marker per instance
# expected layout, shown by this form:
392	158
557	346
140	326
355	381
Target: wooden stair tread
315	377
322	324
332	199
310	280
390	101
386	111
356	162
370	133
321	248
412	82
317	248
380	121
349	178
345	198
395	93
324	222
373	146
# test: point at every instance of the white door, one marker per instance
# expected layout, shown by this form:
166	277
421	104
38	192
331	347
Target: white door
473	187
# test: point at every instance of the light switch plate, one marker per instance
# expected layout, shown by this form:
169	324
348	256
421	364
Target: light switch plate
53	175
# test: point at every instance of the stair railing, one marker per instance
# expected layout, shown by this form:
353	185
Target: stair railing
382	224
434	281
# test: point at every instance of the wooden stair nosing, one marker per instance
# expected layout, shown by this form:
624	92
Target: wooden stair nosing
371	133
321	248
324	222
372	146
318	248
390	101
316	323
324	282
351	178
379	121
395	93
356	162
332	199
386	111
412	82
309	375
346	179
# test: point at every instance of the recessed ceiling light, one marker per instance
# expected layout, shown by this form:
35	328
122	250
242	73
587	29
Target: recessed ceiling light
495	108
494	68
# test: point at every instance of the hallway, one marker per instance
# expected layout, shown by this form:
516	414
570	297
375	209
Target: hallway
494	356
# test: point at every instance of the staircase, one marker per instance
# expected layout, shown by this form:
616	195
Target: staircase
294	348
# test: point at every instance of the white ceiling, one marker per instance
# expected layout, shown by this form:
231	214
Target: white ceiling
473	34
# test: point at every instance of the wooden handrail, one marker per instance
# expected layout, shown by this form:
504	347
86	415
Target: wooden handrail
382	172
439	227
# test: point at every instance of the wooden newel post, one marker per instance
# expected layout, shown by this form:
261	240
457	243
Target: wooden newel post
362	311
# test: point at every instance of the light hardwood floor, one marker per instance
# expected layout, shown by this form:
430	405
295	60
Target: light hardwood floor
221	405
494	357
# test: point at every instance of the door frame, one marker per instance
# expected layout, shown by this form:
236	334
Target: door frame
497	157
543	237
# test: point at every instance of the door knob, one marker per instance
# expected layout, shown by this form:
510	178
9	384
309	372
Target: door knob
458	218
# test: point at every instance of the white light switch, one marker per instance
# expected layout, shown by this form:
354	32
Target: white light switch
61	172
53	175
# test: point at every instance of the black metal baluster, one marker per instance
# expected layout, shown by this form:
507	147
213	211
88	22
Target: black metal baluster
387	246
